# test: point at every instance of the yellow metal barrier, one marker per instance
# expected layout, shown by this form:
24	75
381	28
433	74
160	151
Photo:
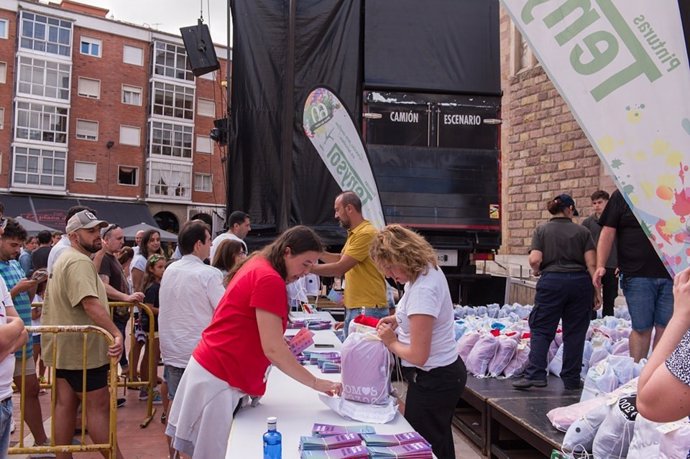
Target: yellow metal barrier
111	446
129	382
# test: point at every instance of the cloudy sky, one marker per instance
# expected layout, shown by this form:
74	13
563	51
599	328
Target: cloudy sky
169	15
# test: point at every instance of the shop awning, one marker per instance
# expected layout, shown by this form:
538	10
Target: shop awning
52	211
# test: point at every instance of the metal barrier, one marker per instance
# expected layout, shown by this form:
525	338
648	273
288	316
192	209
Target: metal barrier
111	446
129	382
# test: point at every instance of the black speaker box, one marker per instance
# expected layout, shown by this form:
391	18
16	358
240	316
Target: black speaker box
200	50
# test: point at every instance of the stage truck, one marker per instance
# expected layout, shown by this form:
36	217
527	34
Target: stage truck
421	81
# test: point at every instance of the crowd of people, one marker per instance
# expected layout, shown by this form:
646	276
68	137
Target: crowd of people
220	314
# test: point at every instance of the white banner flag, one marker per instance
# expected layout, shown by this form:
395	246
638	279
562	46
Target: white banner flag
622	68
330	128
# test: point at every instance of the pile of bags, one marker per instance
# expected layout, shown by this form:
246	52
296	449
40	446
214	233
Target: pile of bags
493	341
609	425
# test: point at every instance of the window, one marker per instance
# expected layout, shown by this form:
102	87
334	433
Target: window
2	117
43	123
169	139
130	135
42	78
84	172
170	180
131	95
87	130
127	175
171	61
203	182
203	144
90	46
3	72
173	100
45	34
3	28
209	76
37	166
522	57
206	107
132	55
89	88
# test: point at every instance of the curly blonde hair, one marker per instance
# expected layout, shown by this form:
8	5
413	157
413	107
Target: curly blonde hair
396	245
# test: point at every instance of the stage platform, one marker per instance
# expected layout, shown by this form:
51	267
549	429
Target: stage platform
504	422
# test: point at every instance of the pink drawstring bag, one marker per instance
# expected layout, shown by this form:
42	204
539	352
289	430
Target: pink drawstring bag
366	369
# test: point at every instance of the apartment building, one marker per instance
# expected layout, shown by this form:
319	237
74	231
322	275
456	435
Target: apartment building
106	114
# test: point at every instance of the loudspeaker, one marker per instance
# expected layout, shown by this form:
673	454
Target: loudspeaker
200	50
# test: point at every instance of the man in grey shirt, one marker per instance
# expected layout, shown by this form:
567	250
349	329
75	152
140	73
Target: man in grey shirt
610	280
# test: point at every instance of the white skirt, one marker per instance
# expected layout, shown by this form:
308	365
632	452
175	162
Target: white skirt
201	415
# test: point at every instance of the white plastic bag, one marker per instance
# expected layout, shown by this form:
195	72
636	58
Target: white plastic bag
615	433
646	439
481	355
556	364
579	437
675	440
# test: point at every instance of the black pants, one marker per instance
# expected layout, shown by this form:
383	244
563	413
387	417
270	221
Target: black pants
566	296
609	293
430	403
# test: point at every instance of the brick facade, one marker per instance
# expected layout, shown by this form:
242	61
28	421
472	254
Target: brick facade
544	151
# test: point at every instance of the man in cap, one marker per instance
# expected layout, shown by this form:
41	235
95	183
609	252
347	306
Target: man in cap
77	296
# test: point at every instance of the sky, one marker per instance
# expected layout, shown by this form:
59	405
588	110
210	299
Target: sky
169	15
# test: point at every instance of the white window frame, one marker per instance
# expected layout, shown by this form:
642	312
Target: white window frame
173	101
521	56
2	118
127	132
84	130
135	55
85	171
205	107
91	42
4	29
136	91
165	179
135	170
204	144
43	78
170	61
203	182
172	140
83	89
41	122
36	33
3	72
39	167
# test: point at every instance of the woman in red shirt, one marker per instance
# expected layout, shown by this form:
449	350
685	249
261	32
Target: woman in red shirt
244	339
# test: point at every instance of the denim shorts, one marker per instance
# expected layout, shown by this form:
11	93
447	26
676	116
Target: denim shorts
5	424
650	301
172	376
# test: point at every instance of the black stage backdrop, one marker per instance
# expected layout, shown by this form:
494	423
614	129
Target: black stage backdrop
282	181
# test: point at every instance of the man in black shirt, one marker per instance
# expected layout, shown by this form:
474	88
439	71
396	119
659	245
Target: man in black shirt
646	283
39	257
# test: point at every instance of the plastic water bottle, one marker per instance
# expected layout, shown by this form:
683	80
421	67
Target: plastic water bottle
272	440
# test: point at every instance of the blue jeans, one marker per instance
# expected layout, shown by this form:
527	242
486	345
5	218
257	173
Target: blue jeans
172	376
5	424
351	313
650	301
566	296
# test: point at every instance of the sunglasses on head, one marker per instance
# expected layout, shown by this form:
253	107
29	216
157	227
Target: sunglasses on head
110	227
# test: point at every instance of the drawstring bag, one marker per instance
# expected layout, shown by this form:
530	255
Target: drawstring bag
645	442
675	440
579	437
366	368
615	433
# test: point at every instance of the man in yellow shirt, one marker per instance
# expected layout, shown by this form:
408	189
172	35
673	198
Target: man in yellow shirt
365	286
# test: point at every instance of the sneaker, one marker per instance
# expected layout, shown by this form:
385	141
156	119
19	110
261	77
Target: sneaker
121	402
157	400
143	394
524	383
